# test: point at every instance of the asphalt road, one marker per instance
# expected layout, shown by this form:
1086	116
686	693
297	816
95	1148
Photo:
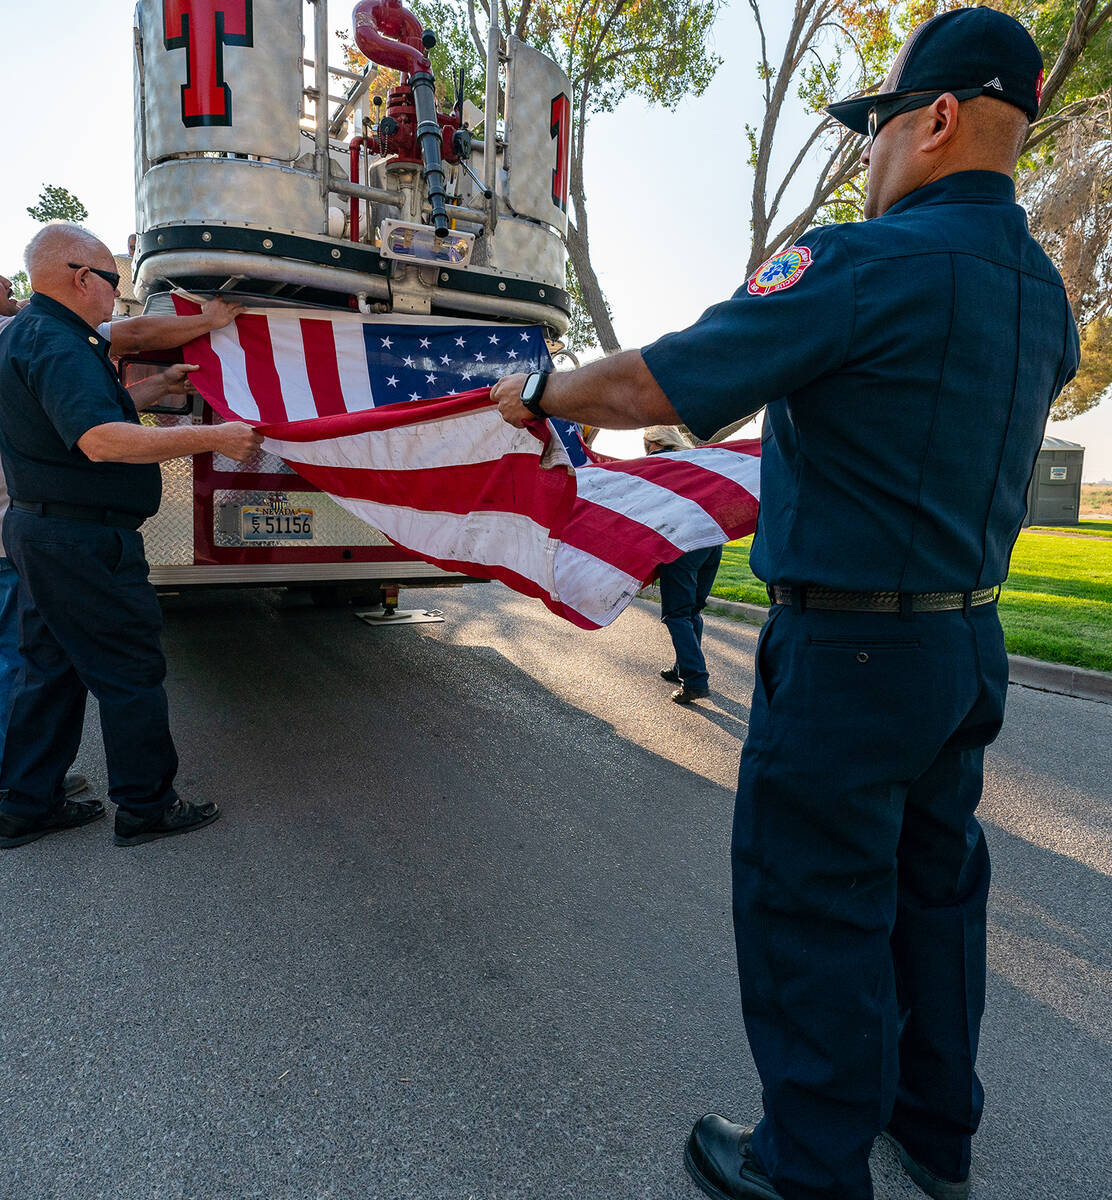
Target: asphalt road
464	929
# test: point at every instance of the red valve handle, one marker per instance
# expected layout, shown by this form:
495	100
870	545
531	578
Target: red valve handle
389	35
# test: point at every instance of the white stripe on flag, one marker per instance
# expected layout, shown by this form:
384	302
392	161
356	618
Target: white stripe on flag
470	437
351	364
683	522
289	362
233	371
591	586
507	540
743	469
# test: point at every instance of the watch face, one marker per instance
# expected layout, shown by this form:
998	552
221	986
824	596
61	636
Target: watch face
532	386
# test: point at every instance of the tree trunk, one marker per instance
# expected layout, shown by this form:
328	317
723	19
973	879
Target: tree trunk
580	253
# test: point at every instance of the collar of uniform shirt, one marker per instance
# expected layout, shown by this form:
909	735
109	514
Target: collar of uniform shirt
45	306
990	186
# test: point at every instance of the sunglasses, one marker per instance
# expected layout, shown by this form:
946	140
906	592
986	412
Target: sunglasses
108	276
883	112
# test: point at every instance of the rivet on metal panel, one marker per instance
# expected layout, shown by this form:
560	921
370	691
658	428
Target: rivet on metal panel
335	254
206	236
268	244
160	239
540	292
443	276
501	287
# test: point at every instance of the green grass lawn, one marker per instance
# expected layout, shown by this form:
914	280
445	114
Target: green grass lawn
1081	529
1056	605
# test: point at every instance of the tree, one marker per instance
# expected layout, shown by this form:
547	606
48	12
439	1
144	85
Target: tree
609	49
57	204
21	286
839	48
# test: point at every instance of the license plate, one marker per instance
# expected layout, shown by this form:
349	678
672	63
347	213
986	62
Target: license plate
258	523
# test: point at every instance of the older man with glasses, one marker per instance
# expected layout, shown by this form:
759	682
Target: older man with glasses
908	364
83	476
130	335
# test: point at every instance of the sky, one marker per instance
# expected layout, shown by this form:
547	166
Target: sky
652	175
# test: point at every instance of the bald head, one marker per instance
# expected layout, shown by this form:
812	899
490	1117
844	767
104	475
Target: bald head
918	147
57	260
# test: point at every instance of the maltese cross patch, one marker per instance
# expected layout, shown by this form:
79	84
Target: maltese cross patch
782	271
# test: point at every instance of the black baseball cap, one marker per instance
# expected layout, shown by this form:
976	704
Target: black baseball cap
969	49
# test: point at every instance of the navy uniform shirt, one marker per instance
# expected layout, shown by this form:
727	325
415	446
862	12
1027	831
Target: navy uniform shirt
908	364
56	383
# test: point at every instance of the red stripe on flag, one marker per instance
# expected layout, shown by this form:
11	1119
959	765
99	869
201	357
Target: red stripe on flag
321	367
515	483
209	378
262	375
619	540
389	416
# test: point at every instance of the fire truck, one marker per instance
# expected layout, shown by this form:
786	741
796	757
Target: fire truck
267	173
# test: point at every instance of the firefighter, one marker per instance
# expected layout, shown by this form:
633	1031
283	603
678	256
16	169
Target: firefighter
908	364
83	476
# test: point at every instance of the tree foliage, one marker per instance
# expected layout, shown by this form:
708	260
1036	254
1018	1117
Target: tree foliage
57	204
610	49
21	285
839	48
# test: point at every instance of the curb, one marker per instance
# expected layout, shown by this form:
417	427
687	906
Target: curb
1059	678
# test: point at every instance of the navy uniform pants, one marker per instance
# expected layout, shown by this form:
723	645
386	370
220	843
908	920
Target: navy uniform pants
684	587
89	621
860	879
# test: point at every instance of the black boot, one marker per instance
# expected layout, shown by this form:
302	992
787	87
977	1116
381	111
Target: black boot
70	814
719	1158
180	817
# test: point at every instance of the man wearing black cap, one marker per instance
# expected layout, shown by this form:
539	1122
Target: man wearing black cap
908	364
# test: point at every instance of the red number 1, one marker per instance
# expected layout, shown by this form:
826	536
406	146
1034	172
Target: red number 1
561	131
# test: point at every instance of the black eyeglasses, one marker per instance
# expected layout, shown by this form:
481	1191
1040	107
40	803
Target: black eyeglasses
883	112
111	277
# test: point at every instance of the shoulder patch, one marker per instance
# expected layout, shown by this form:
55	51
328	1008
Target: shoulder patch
782	271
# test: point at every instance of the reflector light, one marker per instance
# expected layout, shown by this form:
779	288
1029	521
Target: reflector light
419	243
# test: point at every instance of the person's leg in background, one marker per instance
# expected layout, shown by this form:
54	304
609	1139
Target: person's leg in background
679	611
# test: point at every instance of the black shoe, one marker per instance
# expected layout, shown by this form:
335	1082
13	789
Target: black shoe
18	831
671	674
688	695
73	784
719	1158
180	817
934	1185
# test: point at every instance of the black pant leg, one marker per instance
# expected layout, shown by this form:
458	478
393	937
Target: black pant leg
848	710
45	721
938	943
89	584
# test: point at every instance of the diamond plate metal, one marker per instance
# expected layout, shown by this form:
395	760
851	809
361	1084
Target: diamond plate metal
168	535
332	525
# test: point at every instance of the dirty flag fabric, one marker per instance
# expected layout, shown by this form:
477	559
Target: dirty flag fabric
386	419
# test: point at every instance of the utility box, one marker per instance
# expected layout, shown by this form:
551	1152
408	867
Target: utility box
1054	494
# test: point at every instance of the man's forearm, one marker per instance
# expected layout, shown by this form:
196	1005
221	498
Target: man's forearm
123	442
133	335
618	392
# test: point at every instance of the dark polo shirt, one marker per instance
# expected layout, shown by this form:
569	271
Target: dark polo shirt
57	383
908	364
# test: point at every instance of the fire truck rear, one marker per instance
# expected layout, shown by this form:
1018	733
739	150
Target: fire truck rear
268	174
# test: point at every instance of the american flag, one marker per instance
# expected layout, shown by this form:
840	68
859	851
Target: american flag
394	421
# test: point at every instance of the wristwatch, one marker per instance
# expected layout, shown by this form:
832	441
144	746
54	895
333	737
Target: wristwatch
533	390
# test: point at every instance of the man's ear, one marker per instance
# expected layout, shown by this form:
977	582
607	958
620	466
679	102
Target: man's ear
944	118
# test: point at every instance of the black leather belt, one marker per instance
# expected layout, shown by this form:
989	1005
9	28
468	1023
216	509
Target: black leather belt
879	602
82	512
